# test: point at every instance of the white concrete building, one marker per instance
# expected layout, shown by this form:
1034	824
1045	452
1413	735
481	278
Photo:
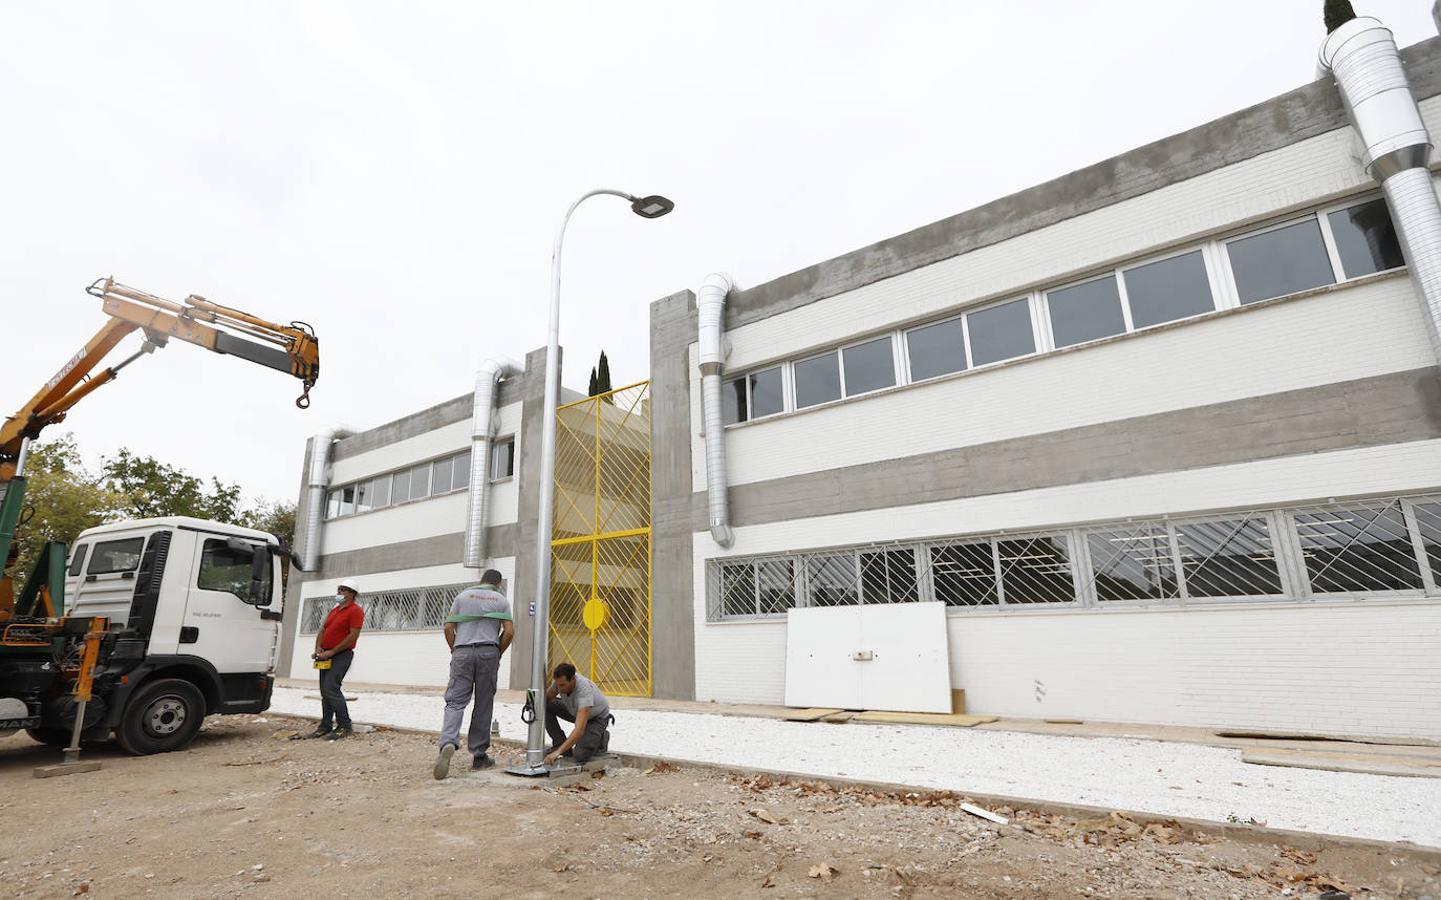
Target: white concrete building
1163	434
397	505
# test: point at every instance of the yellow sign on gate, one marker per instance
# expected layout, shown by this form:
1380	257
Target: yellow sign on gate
600	590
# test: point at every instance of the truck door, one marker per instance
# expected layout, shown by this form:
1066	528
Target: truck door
224	620
101	577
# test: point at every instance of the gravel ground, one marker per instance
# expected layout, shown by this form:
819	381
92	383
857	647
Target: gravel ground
245	812
1171	779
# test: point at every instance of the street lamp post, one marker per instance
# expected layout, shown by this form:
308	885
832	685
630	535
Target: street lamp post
649	207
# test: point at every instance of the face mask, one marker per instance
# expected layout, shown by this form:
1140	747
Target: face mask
339	599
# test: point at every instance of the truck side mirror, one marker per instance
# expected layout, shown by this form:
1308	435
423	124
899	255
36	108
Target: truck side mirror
260	575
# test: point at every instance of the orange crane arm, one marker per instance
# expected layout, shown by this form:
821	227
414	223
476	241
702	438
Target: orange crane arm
291	348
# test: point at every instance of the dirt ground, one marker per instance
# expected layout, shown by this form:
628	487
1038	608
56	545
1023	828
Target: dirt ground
245	812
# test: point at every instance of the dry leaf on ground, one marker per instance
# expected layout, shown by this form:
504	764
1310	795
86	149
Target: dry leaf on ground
823	871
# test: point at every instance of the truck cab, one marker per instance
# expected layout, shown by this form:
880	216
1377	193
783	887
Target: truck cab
194	610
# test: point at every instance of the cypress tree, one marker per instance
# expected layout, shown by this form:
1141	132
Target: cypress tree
594	385
1338	13
603	375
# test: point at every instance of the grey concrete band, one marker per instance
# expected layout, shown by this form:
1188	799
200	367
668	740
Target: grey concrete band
438	416
1279	122
1385	409
440	550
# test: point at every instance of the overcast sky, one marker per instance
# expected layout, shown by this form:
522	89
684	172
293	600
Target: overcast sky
393	173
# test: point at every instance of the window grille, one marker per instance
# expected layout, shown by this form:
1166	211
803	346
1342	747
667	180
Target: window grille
1387	547
1358	547
409	609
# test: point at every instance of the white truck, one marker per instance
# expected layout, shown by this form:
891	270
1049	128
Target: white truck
184	615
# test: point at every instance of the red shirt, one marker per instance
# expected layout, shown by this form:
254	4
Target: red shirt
338	623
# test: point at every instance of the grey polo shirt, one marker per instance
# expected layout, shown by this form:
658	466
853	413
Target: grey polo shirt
586	694
479	601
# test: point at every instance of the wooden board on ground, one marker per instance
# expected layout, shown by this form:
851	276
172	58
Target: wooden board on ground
1363	763
896	718
814	714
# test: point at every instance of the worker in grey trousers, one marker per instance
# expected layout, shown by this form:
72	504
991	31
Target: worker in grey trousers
478	630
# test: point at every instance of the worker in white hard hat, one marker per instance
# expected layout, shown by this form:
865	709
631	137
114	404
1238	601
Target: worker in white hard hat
334	652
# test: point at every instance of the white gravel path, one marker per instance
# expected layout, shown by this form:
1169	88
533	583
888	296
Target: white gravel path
1152	776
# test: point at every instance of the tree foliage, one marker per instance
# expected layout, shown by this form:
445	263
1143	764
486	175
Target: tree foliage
67	498
153	488
602	372
1338	13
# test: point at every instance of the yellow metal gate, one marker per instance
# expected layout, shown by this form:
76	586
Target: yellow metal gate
600	600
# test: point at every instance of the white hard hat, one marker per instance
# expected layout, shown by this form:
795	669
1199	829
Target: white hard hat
349	584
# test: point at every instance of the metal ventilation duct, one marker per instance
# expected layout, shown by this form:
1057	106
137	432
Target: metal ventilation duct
710	304
487	393
318	481
1362	56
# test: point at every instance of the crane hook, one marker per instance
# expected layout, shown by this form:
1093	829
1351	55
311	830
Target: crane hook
303	401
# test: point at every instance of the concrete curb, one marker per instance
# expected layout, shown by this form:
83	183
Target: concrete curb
1313	841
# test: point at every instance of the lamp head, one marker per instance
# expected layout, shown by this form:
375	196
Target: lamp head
652	207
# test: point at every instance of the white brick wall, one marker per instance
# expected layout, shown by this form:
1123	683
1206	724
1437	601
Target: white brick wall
1257	658
1304	174
1339	335
399	657
1366	668
1361	668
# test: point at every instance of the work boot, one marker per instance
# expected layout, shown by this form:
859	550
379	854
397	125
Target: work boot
483	761
442	762
340	734
317	733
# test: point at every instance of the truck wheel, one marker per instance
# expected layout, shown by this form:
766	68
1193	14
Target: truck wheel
162	716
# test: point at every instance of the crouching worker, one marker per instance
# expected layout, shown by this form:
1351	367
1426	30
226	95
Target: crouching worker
575	698
479	629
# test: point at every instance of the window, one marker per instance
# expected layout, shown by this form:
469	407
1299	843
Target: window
440	475
400	487
502	460
818	379
1281	261
776	586
1086	312
831	580
768	395
347	500
1133	563
420	482
460	474
1036	570
964	574
1358	548
1001	332
332	504
116	556
1428	523
1366	239
228	569
380	491
1168	289
734	407
738	589
362	497
938	349
1229	558
77	560
889	576
869	367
